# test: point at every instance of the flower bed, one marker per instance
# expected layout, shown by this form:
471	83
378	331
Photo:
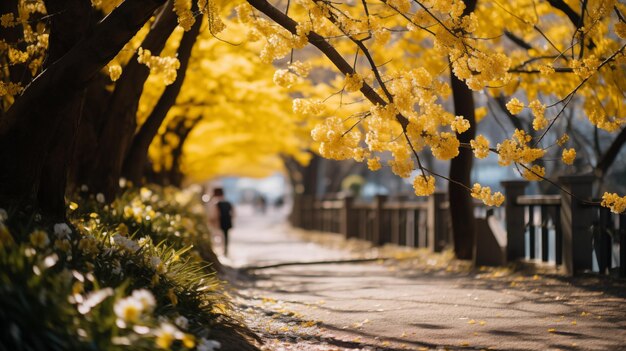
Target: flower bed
130	275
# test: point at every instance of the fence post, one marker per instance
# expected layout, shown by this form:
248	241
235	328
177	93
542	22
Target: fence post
515	226
345	221
435	223
378	237
576	222
294	216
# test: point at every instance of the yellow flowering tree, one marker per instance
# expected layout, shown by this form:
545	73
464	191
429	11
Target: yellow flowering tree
406	57
403	67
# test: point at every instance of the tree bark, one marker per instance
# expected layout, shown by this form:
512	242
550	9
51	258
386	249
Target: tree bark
183	130
25	132
121	115
138	154
461	203
68	27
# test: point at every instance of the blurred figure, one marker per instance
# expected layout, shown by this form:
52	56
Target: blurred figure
261	203
221	214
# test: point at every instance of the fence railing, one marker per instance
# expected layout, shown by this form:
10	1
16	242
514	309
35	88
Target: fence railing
408	223
563	229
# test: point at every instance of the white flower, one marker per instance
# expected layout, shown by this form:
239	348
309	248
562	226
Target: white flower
94	299
100	198
125	243
131	308
84	188
145	194
208	345
62	231
166	334
3	215
127	309
145	297
182	322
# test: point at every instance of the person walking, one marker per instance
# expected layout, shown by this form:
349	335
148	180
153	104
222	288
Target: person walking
221	215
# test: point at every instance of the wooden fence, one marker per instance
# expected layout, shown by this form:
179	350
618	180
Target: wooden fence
563	229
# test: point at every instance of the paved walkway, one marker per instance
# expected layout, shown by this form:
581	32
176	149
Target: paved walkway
412	304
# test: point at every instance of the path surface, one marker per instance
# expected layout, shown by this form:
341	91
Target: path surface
412	304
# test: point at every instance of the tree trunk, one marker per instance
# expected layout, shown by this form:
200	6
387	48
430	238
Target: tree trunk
121	116
175	175
67	28
135	162
27	131
461	203
609	156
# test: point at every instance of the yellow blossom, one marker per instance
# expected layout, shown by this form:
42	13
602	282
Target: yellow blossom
354	82
613	201
424	185
535	172
515	106
373	164
538	109
115	71
562	140
484	194
568	156
480	113
285	78
480	145
460	124
165	335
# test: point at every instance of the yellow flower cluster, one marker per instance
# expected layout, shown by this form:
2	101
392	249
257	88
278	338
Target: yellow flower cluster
616	203
165	66
538	110
115	71
444	146
402	164
534	173
484	194
308	107
285	78
517	150
400	5
480	146
424	185
373	164
17	56
185	16
563	139
514	106
568	156
7	20
460	124
301	69
586	67
10	89
335	141
354	82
